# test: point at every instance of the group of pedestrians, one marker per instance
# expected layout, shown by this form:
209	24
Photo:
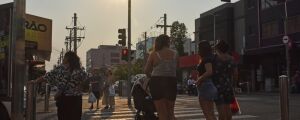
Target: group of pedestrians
101	87
214	83
68	78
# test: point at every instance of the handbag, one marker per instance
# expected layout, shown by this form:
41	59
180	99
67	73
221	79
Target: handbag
92	98
235	107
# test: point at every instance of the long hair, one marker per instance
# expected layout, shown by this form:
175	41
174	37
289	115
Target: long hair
161	41
204	49
73	60
222	46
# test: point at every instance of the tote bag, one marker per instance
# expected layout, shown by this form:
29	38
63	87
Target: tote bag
92	98
235	107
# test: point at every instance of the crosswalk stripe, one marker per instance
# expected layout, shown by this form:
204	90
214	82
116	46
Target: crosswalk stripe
233	117
181	112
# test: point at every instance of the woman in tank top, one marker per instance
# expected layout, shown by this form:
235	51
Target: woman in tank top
161	68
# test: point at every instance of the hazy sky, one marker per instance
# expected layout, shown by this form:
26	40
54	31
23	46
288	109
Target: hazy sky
103	18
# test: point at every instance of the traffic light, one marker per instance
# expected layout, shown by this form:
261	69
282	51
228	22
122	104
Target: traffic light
122	37
226	0
124	54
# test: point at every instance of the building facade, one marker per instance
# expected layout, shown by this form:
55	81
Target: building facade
265	57
104	56
225	22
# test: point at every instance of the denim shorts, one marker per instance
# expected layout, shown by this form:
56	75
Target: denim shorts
207	90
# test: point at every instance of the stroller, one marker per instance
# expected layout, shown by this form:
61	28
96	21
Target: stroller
142	99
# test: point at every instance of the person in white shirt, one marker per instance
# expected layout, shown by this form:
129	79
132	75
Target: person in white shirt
190	84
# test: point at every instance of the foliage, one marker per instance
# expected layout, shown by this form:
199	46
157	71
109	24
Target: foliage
121	72
178	33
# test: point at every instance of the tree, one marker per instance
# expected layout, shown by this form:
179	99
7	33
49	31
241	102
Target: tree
121	71
178	33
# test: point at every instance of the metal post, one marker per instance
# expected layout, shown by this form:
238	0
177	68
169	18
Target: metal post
30	102
165	24
129	54
214	30
286	45
17	60
145	49
284	97
46	102
75	33
248	88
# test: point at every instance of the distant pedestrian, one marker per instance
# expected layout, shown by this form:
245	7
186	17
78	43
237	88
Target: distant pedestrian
96	87
67	78
161	68
108	95
223	80
207	91
190	83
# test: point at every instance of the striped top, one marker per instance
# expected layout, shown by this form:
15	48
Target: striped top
165	68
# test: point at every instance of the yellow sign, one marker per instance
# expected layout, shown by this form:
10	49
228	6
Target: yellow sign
39	31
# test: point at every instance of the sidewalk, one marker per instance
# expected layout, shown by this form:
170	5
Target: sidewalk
41	114
52	115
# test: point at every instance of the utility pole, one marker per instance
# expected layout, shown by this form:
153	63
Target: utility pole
68	41
145	49
165	24
75	38
62	55
129	53
75	32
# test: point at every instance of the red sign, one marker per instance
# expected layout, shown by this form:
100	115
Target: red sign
189	61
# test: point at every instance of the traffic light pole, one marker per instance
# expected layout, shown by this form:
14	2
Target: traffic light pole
129	53
145	49
284	84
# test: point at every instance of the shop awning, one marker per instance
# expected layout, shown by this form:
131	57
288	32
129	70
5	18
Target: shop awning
188	61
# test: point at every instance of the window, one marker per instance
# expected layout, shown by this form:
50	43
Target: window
270	29
267	4
250	4
115	54
293	24
250	30
115	61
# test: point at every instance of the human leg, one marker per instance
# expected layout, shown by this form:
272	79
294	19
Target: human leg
161	109
208	109
170	108
97	103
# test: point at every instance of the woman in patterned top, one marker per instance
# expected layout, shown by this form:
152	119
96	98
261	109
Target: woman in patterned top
224	69
67	78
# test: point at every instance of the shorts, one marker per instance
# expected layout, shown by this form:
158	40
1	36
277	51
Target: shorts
163	87
207	90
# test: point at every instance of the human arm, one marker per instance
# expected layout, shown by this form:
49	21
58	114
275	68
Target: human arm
149	65
208	72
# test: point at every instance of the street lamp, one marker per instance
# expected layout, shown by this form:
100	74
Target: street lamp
214	15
